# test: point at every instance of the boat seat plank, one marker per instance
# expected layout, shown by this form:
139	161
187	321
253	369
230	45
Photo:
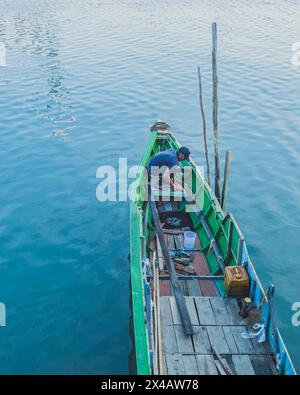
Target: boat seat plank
204	310
175	364
190	364
219	311
184	341
201	340
206	365
243	365
165	311
217	339
244	345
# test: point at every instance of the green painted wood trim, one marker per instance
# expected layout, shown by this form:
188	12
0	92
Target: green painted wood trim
137	289
137	286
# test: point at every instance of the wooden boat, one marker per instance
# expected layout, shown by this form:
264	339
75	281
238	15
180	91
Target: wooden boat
190	324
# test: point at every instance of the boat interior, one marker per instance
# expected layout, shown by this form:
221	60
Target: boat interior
218	345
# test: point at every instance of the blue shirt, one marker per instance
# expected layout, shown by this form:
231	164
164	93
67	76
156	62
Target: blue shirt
163	158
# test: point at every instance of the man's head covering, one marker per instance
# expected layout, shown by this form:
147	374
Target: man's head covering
185	151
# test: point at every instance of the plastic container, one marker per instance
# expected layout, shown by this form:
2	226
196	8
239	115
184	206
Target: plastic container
189	240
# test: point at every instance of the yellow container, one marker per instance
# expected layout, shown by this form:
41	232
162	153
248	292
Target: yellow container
236	280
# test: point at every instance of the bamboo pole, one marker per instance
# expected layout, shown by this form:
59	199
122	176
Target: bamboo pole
215	110
226	177
204	127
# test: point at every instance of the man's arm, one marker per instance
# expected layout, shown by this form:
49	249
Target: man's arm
167	179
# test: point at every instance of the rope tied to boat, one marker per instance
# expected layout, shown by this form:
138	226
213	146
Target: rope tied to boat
260	334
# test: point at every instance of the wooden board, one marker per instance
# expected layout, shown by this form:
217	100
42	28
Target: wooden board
217	338
190	364
230	340
219	311
165	311
175	311
193	287
233	309
169	343
244	345
184	341
174	364
263	364
204	310
190	304
243	365
161	261
201	340
206	365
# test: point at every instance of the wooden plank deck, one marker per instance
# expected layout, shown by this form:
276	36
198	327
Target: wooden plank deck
216	322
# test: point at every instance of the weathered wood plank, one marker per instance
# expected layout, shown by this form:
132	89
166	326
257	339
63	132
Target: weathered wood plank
190	304
206	365
193	287
161	261
169	342
219	311
190	364
175	311
175	364
233	312
165	311
201	340
183	286
230	340
244	345
243	365
263	365
259	347
184	341
217	339
204	310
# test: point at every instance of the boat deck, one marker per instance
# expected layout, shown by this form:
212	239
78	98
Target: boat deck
216	322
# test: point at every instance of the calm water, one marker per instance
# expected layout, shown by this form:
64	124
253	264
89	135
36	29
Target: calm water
84	79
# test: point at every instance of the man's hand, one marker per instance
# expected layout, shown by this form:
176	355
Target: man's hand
177	188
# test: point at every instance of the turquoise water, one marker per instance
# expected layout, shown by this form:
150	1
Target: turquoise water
83	81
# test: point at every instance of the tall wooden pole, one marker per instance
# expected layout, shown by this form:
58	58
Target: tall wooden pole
215	111
225	181
204	127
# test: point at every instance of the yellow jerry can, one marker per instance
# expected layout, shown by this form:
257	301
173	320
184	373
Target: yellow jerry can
236	280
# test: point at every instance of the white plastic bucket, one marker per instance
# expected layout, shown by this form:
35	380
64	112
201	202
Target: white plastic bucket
189	240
